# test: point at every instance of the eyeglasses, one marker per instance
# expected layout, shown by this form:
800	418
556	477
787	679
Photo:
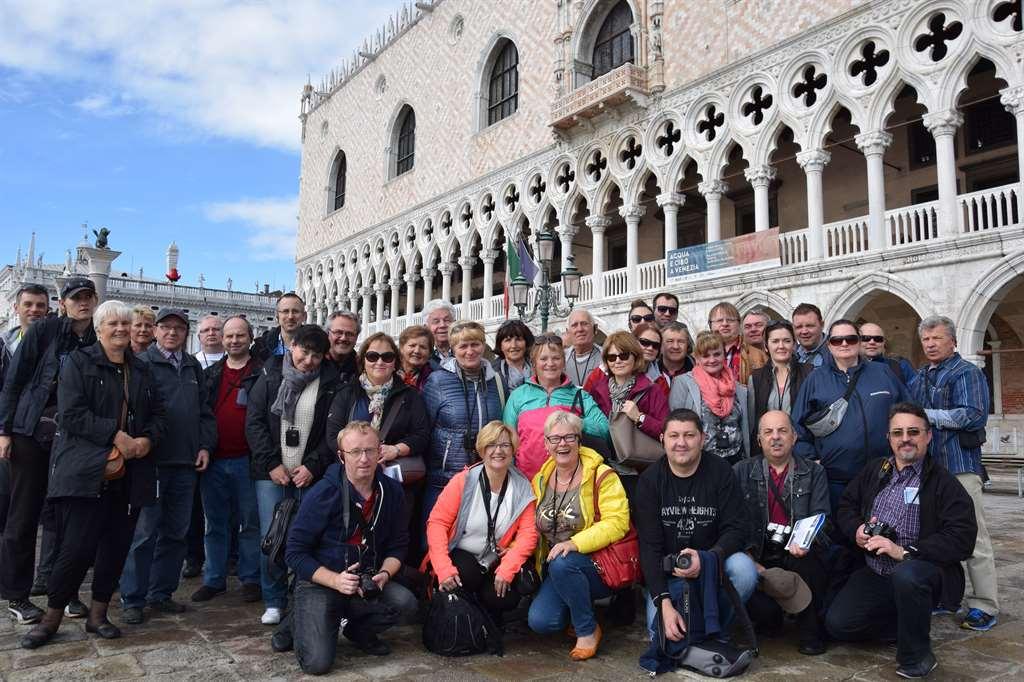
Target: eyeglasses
666	309
868	337
569	438
494	447
723	320
615	357
848	340
342	333
647	343
637	319
373	356
912	432
362	453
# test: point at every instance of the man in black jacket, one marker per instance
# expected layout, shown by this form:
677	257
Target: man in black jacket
343	329
916	523
28	407
153	569
687	503
291	313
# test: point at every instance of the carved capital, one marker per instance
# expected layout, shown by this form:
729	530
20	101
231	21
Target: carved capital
395	283
874	142
712	189
760	176
671	200
428	273
943	123
380	287
366	291
488	256
1013	99
598	223
634	213
446	269
813	160
411	278
567	231
467	262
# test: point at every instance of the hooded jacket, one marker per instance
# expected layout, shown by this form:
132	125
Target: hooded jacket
317	539
191	425
530	404
409	426
862	434
90	394
450	516
652	401
451	402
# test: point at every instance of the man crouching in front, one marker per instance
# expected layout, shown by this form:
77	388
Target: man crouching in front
345	545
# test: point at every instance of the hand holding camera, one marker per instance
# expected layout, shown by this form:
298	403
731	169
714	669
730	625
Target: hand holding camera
348	581
684	564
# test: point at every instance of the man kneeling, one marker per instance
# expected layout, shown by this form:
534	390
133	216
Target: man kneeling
345	545
916	523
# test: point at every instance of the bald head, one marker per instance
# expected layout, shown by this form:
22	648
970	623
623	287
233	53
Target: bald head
777	437
237	339
875	345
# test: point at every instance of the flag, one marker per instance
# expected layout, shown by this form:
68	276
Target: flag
520	262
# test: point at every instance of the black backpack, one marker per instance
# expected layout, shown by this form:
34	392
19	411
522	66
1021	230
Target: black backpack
456	625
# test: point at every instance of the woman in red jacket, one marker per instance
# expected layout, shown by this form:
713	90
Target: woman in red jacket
483	527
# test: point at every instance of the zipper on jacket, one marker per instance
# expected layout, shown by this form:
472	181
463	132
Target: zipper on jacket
444	460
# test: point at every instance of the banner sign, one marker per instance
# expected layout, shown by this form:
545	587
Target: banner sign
744	250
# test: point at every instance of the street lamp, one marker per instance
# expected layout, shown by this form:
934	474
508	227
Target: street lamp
546	301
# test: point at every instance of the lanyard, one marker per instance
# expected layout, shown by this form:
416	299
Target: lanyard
556	503
485	490
586	368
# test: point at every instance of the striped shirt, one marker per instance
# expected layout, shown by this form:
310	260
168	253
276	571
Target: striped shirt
955	397
899	505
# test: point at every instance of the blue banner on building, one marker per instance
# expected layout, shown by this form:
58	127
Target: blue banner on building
743	250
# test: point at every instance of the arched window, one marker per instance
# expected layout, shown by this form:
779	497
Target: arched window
503	90
614	44
341	167
406	142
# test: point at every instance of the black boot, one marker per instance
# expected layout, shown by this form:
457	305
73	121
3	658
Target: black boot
98	624
44	631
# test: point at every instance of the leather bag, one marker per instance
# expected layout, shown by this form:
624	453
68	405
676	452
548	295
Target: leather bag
632	446
115	466
618	564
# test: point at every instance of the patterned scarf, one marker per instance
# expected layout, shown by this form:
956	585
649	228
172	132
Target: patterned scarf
717	392
619	393
293	383
377	395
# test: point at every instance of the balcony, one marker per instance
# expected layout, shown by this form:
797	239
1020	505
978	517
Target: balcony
620	85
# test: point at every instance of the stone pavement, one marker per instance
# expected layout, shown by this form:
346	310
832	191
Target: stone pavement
224	640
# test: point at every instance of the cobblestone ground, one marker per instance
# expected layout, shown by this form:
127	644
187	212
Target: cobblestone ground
224	640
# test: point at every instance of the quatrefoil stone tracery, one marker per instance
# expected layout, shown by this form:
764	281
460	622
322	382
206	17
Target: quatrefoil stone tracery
939	34
809	84
709	124
872	59
758	104
631	153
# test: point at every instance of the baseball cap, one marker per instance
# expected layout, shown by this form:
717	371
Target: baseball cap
164	313
787	588
76	284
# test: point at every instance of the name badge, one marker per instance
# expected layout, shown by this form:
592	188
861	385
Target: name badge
910	496
243	398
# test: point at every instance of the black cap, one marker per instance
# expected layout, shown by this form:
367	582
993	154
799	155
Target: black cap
164	313
76	284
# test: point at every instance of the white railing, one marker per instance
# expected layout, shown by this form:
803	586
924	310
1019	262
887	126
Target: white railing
651	275
586	288
846	237
793	247
615	283
912	224
989	208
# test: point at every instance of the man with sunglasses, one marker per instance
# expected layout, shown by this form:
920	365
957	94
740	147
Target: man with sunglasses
914	523
666	309
872	345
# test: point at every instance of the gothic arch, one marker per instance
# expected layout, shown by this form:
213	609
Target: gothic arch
766	299
398	114
588	23
339	161
983	300
860	290
484	66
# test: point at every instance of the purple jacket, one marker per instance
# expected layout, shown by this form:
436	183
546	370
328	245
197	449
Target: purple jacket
652	402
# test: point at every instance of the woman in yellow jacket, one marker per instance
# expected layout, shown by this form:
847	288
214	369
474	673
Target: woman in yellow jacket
564	487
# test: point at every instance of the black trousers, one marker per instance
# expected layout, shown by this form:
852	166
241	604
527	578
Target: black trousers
481	583
30	466
900	604
91	531
763	609
195	548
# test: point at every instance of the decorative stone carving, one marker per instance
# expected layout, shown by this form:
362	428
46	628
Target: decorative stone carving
813	160
760	176
875	142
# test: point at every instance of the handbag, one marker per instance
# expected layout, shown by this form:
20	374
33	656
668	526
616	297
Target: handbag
618	564
274	542
823	422
456	625
632	446
527	580
115	465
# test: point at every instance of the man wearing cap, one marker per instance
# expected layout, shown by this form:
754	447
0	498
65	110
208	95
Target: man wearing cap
915	523
778	490
153	567
28	408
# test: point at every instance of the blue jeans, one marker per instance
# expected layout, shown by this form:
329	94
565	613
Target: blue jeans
571	584
741	571
273	578
153	568
228	494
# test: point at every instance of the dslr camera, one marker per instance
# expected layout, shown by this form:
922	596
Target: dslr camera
369	588
873	528
674	561
777	533
488	560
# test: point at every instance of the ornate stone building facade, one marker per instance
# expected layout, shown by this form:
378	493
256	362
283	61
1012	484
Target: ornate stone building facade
881	137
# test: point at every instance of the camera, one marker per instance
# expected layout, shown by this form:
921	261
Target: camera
369	588
488	560
873	528
674	561
777	533
469	443
291	437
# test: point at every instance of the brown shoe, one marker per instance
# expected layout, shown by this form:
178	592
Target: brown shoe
583	653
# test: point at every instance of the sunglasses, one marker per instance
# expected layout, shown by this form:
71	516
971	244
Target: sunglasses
912	432
849	340
666	309
615	357
373	356
637	319
877	339
647	343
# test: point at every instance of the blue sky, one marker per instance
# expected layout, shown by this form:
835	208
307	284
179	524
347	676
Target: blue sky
164	120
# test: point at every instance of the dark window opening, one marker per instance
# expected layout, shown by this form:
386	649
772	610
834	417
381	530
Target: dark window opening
614	44
503	92
339	182
988	125
406	143
922	145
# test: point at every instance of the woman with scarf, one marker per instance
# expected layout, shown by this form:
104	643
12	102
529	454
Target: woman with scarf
391	406
285	425
711	391
415	345
775	386
512	345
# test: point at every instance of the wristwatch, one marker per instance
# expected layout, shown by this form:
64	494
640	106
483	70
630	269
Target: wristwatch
640	420
909	552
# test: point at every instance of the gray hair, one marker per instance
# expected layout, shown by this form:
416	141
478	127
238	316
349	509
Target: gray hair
584	312
438	304
111	309
933	321
213	316
760	312
562	417
679	328
348	315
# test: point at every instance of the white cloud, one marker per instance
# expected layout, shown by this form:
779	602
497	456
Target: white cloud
271	224
228	68
104	105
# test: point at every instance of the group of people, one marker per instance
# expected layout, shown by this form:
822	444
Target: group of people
437	463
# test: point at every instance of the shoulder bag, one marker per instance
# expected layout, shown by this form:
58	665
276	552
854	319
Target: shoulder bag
115	466
632	446
414	469
823	422
618	564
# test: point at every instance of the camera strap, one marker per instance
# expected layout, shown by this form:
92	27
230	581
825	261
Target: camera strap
485	491
775	489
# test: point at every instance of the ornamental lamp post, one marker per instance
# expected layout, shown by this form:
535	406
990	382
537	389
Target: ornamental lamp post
546	301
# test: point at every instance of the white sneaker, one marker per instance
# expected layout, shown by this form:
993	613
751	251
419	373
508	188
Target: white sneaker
272	616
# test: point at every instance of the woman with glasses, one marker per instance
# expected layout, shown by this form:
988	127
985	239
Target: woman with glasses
775	386
512	345
639	312
711	390
483	528
548	390
415	345
570	531
651	340
860	435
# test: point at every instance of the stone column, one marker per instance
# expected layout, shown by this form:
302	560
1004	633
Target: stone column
396	286
467	263
632	214
873	145
428	275
488	256
598	224
565	234
760	178
713	191
670	203
943	125
367	292
446	270
410	295
380	288
353	301
813	161
1013	100
99	267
